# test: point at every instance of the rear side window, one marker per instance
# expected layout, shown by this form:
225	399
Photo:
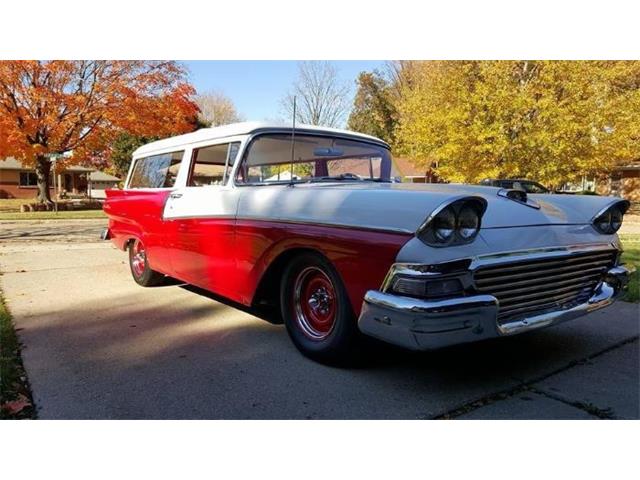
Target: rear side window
212	165
157	171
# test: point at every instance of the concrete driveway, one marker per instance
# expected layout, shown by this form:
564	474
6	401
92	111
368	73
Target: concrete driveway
99	346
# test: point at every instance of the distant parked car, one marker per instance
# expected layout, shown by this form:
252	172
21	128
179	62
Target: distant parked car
528	186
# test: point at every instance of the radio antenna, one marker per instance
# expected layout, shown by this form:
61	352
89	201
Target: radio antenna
293	142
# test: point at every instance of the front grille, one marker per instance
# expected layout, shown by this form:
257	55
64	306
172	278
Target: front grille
530	287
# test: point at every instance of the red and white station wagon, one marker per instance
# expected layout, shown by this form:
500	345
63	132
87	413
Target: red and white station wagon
309	221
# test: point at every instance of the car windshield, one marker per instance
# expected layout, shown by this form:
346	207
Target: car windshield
315	158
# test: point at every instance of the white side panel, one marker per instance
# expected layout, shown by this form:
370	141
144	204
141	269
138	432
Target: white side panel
198	202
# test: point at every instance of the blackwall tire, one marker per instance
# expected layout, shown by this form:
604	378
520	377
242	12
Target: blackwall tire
317	312
140	270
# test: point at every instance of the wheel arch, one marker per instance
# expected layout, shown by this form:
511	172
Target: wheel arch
267	291
128	241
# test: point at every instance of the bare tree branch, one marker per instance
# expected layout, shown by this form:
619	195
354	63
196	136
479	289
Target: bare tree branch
322	98
216	109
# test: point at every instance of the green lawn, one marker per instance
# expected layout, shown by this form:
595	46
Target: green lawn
631	256
10	210
12	204
65	215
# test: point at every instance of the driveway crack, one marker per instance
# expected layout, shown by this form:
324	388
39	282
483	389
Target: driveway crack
601	413
527	386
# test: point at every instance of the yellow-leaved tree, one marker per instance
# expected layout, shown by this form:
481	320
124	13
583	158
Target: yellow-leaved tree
553	121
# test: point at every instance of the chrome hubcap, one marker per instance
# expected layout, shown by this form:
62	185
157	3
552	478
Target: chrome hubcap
320	301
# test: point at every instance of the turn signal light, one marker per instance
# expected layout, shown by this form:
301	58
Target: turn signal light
422	288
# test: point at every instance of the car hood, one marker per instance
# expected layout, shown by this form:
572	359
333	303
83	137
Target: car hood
406	205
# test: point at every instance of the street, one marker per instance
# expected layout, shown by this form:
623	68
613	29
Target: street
96	345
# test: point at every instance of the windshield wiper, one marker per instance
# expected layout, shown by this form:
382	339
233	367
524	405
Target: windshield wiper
349	177
342	176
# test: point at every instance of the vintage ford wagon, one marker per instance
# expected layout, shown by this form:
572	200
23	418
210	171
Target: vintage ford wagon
308	220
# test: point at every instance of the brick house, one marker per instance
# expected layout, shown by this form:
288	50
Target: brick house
18	181
409	172
623	182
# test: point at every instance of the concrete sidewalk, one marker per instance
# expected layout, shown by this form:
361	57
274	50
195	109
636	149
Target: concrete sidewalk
38	231
99	346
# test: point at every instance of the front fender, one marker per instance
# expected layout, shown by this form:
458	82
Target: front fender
361	257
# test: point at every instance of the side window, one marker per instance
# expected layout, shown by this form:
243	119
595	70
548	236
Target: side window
212	165
156	171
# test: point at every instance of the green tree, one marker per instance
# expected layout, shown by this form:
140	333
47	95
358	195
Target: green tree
122	149
373	110
553	121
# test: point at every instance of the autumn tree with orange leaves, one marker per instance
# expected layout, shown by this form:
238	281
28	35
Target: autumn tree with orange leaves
79	107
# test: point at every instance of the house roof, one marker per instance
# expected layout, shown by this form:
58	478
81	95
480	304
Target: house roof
635	165
98	176
95	175
407	168
14	164
242	128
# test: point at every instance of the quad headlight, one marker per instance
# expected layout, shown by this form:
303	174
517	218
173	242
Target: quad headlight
455	223
444	225
610	221
468	222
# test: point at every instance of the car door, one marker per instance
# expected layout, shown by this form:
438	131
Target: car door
200	217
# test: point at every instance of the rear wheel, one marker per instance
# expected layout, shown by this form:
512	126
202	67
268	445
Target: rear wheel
140	270
316	310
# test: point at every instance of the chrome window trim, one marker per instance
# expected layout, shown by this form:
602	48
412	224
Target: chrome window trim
240	159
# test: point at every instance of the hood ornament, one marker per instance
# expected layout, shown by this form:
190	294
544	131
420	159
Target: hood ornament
519	196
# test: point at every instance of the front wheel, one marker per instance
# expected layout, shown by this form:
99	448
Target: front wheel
316	310
140	270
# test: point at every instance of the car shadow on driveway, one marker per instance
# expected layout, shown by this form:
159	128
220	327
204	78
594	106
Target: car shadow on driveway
166	353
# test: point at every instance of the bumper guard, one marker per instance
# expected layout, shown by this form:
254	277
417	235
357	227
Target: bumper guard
425	325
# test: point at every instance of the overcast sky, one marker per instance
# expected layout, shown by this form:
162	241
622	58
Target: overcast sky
256	87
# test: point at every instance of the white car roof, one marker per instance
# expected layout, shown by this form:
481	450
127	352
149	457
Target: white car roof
243	128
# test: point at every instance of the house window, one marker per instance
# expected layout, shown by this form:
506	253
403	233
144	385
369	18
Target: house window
28	179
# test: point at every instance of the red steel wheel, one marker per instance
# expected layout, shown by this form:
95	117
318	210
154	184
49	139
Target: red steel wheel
317	312
138	259
140	269
315	303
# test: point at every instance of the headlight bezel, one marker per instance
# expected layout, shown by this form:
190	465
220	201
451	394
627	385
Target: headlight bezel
609	220
428	231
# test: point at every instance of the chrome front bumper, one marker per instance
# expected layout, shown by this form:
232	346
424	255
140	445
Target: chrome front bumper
425	325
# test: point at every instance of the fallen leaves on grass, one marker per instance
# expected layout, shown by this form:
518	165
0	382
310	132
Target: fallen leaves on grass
14	407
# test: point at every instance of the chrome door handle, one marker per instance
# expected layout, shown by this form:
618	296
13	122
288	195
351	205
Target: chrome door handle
175	195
